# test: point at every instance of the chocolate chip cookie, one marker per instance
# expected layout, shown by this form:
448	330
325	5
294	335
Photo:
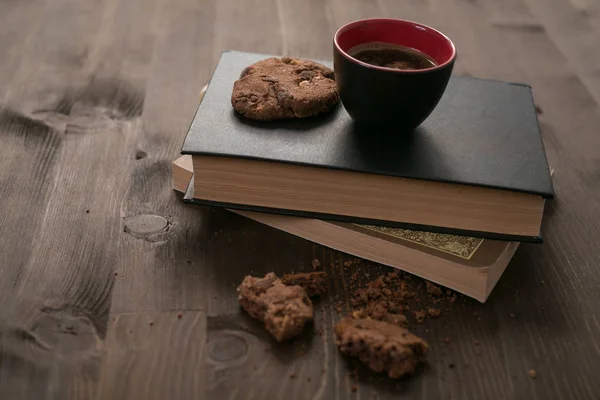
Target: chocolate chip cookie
284	310
284	88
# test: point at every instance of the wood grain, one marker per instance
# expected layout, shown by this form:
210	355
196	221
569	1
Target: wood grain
55	273
95	100
158	269
304	24
164	350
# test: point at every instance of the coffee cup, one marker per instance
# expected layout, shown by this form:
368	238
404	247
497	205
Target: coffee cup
391	72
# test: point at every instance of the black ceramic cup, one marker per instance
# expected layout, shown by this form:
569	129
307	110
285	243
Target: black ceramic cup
397	98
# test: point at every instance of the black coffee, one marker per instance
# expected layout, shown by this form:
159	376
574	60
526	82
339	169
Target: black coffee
392	56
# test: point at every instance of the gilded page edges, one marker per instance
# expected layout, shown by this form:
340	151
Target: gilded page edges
459	246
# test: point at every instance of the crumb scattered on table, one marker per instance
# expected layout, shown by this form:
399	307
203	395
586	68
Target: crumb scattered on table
315	283
316	264
419	316
434	312
432	289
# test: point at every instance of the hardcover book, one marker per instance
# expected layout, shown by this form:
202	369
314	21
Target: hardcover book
476	167
469	265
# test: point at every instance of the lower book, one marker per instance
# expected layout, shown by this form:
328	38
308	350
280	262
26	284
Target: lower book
468	265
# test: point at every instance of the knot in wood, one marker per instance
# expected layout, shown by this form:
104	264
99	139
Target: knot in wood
226	348
146	225
66	332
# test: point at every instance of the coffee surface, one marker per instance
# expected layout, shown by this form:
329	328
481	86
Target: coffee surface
392	56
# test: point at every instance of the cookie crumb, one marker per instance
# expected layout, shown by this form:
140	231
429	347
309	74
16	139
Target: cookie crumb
433	289
532	373
293	375
433	312
419	316
315	283
179	315
151	323
354	388
87	211
316	264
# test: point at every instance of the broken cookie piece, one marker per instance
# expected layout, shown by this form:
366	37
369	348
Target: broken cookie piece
315	283
284	310
380	345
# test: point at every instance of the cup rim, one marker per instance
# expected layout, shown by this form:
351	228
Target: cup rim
395	70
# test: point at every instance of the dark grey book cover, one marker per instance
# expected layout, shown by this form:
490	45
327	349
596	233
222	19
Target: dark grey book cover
482	133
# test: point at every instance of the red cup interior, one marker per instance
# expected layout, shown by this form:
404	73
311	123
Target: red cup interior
402	32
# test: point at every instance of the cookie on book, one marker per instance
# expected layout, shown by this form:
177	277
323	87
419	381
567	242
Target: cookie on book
284	88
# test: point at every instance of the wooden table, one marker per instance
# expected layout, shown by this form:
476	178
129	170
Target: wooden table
112	288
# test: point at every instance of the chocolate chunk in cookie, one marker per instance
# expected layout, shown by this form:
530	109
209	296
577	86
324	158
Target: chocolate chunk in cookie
284	310
380	345
284	88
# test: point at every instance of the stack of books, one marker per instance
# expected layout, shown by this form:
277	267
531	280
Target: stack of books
450	202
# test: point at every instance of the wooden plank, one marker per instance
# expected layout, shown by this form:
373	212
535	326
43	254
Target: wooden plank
160	264
46	343
83	119
18	24
142	347
162	254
